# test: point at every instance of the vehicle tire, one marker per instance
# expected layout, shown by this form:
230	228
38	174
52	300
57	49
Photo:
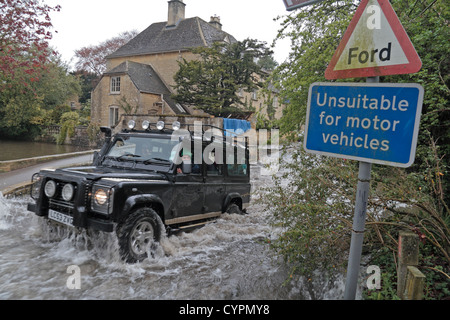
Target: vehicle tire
138	234
233	208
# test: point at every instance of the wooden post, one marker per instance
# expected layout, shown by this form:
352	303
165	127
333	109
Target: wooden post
408	255
414	284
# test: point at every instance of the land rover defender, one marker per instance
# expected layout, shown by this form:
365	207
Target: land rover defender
147	181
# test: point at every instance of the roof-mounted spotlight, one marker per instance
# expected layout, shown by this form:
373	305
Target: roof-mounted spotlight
131	124
160	125
145	124
176	126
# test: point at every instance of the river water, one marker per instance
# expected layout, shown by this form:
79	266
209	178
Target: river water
13	150
226	259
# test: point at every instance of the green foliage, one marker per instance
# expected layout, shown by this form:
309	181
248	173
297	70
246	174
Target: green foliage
312	203
19	110
426	23
437	281
93	131
212	82
40	100
69	121
126	106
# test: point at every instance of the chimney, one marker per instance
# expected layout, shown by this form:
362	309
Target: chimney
176	12
215	22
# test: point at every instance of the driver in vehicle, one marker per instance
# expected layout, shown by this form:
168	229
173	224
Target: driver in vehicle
187	158
146	150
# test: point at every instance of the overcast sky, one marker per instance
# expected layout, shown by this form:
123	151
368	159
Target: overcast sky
83	23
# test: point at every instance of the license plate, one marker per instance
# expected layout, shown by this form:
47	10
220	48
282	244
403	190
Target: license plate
60	217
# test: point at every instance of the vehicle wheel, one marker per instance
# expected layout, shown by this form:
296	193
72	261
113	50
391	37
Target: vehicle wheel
138	234
233	208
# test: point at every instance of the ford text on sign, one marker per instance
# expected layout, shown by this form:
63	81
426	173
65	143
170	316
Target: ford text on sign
371	122
374	44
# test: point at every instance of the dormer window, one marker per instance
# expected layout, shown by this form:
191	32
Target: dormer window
115	85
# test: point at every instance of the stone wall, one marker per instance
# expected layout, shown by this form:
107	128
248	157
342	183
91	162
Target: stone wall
81	137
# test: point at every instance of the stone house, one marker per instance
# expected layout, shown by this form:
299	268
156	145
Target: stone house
140	74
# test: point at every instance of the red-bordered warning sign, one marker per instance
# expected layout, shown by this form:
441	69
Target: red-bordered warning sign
374	44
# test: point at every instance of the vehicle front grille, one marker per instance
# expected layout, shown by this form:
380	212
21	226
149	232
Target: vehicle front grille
61	206
58	204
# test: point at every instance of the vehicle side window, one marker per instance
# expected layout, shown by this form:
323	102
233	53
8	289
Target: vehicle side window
237	164
237	169
188	157
214	168
122	146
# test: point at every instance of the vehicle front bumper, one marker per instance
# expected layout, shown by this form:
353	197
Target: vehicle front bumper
90	223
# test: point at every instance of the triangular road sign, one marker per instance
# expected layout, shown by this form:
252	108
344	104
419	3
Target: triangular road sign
375	44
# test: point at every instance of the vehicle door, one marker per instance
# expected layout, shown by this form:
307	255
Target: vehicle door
237	173
215	190
188	189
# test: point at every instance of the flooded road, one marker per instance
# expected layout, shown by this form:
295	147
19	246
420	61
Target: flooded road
226	259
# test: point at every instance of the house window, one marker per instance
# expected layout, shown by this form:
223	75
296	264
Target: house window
115	84
113	116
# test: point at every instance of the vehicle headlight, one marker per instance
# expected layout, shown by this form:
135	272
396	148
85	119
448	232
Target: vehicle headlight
102	199
68	192
145	124
160	125
50	188
36	183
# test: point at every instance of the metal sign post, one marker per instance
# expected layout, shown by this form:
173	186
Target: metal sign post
359	223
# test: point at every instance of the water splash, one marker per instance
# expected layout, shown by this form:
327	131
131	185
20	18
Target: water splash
226	259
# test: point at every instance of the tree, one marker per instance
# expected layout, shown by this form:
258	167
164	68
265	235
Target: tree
24	35
24	109
212	82
426	23
92	59
315	32
69	121
88	82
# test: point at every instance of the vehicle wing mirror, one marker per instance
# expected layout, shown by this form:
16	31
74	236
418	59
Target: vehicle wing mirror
108	133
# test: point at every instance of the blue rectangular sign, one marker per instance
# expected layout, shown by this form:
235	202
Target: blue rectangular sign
370	122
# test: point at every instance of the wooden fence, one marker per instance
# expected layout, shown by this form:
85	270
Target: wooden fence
410	281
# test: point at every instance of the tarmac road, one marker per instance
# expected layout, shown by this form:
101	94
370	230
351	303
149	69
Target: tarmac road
18	178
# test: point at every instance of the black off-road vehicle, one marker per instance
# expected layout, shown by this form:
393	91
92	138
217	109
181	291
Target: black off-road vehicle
148	181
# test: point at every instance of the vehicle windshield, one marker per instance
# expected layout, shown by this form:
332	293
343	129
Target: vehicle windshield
142	149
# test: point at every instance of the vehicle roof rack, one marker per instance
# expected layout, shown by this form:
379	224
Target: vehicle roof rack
160	126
